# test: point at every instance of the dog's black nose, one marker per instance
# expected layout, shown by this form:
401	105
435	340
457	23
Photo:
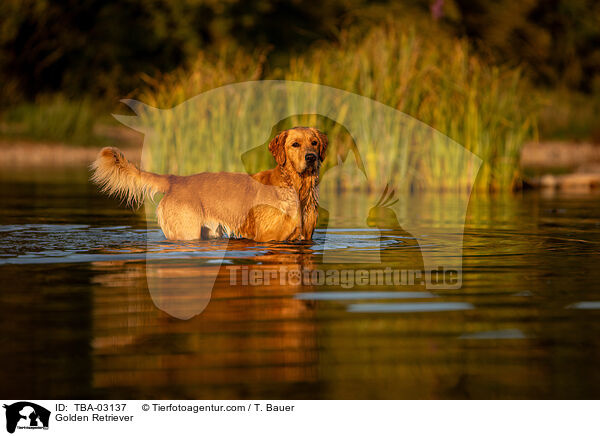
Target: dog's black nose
310	157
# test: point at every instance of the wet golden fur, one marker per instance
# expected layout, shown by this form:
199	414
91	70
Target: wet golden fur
277	204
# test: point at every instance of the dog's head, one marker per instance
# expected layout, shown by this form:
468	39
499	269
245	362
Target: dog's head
301	148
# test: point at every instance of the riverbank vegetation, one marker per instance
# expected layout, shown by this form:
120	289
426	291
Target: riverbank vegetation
491	76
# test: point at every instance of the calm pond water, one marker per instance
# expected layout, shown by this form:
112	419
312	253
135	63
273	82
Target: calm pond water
85	311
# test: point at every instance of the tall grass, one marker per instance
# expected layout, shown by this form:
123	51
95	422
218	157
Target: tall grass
571	116
53	118
433	78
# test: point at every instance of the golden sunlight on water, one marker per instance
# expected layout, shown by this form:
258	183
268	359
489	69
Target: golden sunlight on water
95	305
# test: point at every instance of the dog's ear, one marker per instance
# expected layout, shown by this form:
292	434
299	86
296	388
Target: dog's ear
323	142
277	147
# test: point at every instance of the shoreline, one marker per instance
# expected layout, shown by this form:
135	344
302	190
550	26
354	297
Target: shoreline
24	154
561	166
578	163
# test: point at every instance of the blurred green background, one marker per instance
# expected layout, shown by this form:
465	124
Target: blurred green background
490	74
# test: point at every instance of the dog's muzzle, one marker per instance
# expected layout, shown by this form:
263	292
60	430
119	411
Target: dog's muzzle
310	158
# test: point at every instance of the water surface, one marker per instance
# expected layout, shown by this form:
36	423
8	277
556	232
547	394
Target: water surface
79	320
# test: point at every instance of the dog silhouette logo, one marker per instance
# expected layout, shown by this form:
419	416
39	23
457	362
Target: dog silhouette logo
26	415
390	166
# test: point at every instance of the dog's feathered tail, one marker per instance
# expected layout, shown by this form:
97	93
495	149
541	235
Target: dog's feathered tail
117	176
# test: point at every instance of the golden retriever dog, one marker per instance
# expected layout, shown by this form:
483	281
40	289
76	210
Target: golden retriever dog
280	204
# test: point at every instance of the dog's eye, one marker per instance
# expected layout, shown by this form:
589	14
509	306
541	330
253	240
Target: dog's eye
295	144
314	143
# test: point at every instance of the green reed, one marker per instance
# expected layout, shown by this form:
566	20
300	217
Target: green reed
487	109
53	118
